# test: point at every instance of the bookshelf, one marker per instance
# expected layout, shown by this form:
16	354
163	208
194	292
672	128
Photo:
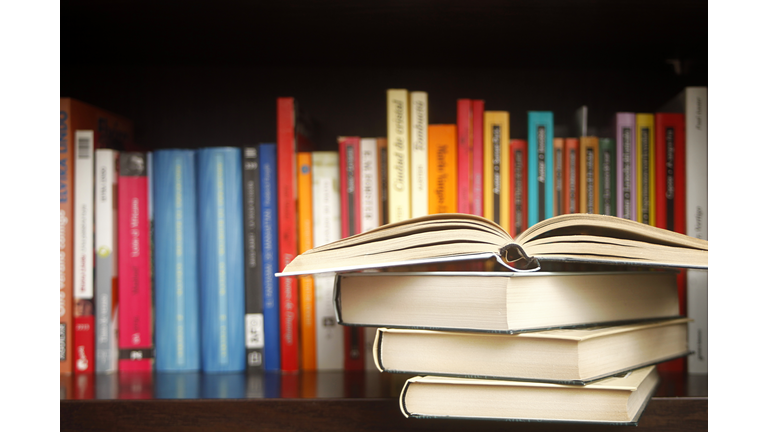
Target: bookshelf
192	75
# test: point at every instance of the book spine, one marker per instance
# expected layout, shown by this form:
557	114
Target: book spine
136	353
696	209
106	260
496	199
463	158
222	288
558	147
306	282
540	166
398	156
84	319
66	237
288	243
177	326
518	154
383	169
252	228
442	169
625	166
369	185
478	160
419	117
571	172
327	228
607	175
267	154
589	185
645	177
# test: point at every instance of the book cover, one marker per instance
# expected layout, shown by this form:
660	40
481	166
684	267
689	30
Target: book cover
83	216
645	171
558	147
518	154
626	174
607	176
306	283
267	154
419	117
221	268
540	165
177	293
496	167
443	178
106	275
589	180
369	217
349	156
463	156
254	291
326	229
292	136
383	169
398	156
478	159
135	341
571	176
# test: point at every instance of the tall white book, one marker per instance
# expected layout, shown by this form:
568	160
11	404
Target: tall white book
106	260
419	138
398	156
326	219
369	216
84	322
696	220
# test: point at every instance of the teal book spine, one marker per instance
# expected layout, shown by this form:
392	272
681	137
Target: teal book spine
540	166
221	257
607	161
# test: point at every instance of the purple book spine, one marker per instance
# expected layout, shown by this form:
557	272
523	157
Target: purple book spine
625	169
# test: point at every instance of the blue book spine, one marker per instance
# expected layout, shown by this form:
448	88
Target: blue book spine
222	288
540	166
177	324
269	238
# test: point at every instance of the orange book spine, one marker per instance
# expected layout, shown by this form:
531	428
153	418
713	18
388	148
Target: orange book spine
442	169
307	338
588	173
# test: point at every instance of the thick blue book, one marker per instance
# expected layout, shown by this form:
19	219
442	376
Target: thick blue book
220	252
540	166
269	239
177	314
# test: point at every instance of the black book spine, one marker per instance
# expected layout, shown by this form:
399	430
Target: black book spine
254	306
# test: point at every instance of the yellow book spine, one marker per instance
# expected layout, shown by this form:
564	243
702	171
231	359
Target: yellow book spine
589	177
443	178
306	283
646	174
419	116
398	156
496	167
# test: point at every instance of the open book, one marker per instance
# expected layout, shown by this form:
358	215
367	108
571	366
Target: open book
446	237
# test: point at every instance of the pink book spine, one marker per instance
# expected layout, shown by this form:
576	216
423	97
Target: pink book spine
463	117
478	108
135	325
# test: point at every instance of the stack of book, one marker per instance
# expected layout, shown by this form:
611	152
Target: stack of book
567	327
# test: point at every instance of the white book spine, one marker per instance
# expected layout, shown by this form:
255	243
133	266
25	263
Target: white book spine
696	221
369	179
84	214
398	156
106	259
419	139
326	218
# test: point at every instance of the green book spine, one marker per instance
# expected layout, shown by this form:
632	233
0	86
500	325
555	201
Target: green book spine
608	176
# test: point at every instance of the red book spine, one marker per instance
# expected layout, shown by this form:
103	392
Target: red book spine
476	131
518	165
670	196
571	170
463	157
288	240
135	322
349	185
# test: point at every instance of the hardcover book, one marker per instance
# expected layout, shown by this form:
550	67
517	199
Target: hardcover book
383	169
645	169
496	167
85	359
398	156
571	176
254	284
626	192
269	251
607	176
177	319
558	147
106	275
419	116
443	179
307	282
589	182
135	341
540	165
463	155
518	154
478	159
221	268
